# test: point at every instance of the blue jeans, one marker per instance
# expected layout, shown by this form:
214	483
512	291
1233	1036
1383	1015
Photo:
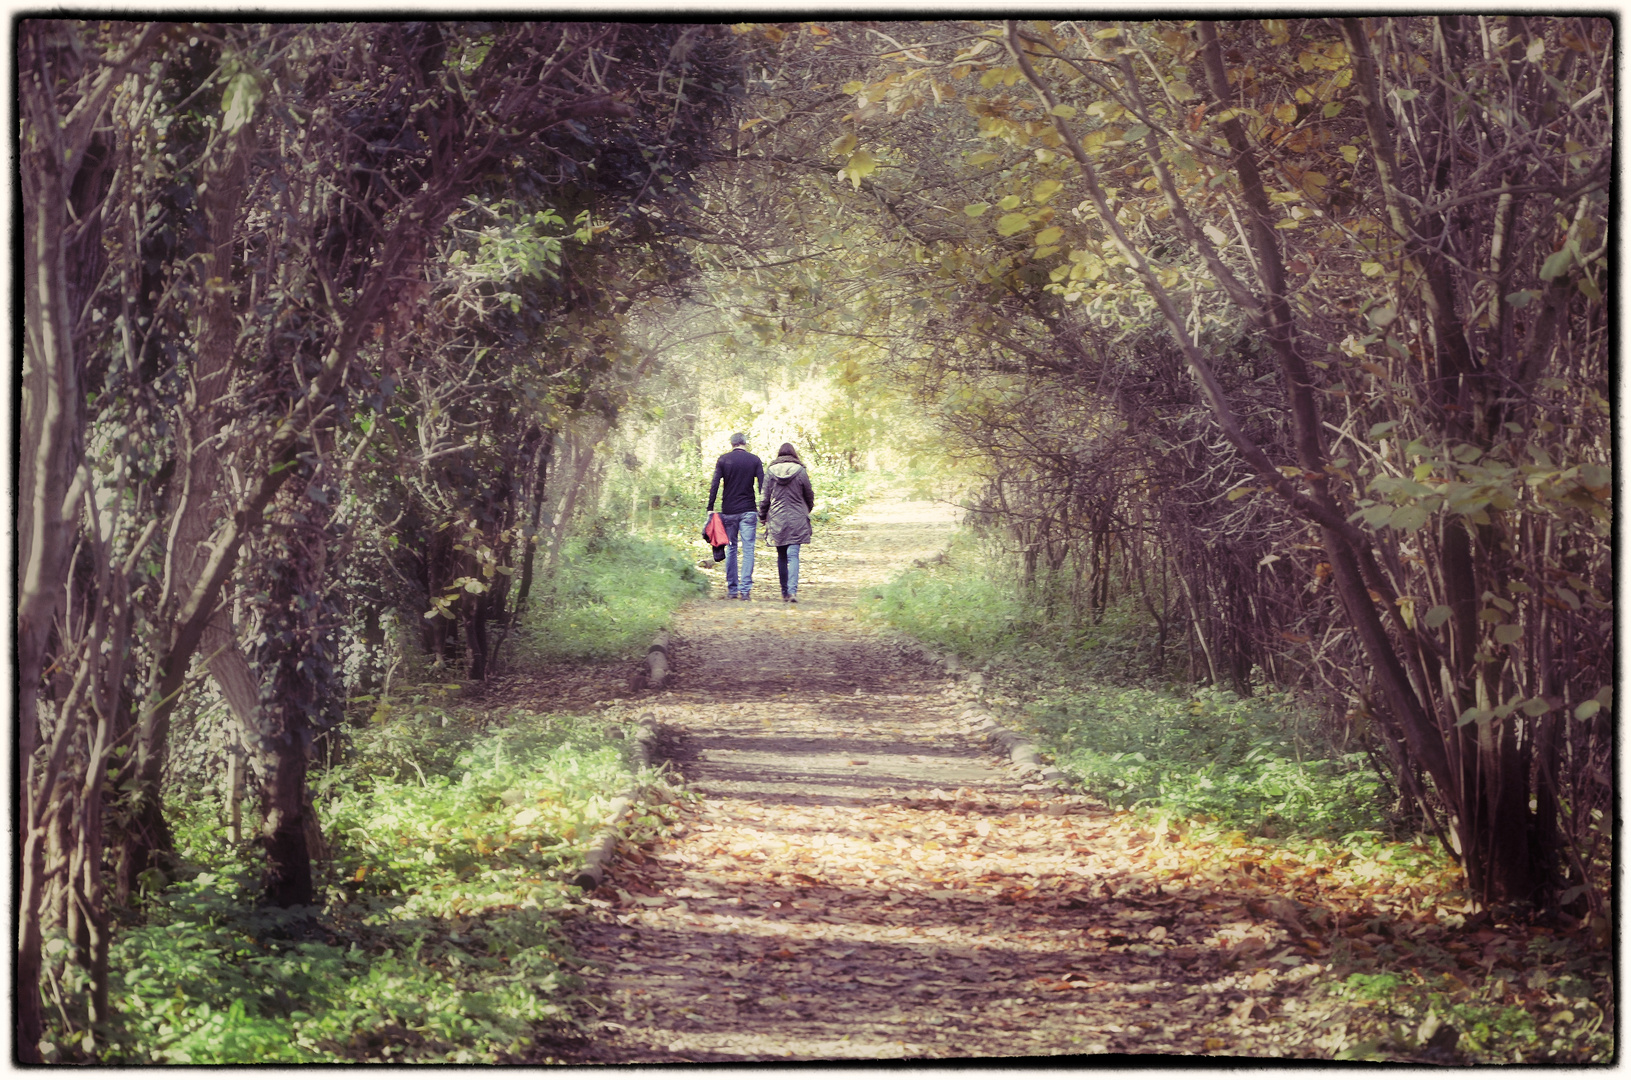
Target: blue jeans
787	568
746	528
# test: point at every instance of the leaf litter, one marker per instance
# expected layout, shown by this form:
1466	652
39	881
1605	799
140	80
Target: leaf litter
856	874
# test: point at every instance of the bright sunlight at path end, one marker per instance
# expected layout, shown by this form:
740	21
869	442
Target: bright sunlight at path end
866	879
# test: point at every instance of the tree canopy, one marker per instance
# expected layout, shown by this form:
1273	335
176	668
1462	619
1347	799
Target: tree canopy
1296	330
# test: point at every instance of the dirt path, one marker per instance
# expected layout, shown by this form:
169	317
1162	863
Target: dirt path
864	878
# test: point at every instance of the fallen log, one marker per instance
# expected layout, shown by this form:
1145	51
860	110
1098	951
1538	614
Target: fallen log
657	662
603	845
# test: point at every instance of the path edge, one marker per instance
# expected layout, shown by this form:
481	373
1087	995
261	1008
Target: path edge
981	721
597	860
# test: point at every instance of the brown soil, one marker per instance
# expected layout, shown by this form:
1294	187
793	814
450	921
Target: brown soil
865	878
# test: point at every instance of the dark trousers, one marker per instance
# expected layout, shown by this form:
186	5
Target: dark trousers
787	568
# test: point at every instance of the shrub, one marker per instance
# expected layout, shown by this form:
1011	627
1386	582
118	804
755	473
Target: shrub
451	843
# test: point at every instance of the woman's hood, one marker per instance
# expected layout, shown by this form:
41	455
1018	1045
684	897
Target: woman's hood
785	469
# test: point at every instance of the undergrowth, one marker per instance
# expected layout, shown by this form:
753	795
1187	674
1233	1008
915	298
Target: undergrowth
1246	782
609	594
1258	763
452	834
451	844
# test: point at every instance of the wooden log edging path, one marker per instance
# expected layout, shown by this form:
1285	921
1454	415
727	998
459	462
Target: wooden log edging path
653	675
597	860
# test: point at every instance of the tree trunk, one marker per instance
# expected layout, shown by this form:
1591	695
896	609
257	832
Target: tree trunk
284	828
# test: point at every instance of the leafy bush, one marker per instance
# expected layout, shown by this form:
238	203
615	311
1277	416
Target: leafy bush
1209	754
970	601
1258	763
944	602
451	844
610	593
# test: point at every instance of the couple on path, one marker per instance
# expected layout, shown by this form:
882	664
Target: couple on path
786	498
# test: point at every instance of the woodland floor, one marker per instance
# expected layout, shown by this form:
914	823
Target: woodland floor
865	879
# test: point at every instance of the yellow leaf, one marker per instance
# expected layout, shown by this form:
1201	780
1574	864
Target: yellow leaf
1009	224
1286	113
1049	235
843	145
860	164
1045	190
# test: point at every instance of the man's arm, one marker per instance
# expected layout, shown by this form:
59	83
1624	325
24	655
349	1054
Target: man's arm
713	488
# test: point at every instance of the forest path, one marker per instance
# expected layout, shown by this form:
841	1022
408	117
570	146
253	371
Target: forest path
864	878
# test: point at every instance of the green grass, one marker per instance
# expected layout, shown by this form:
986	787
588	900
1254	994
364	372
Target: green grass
1210	755
452	842
610	593
1258	764
1234	767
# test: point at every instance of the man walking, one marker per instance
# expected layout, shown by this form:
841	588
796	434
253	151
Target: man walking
739	471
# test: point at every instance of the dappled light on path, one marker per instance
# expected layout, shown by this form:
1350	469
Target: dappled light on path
865	878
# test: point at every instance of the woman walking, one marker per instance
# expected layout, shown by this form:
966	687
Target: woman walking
785	503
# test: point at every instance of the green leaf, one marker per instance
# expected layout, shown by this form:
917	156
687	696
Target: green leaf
1475	714
1536	706
1376	516
976	209
1408	518
1508	634
982	157
1557	263
1135	133
1008	202
1332	108
238	103
1587	709
1067	112
1382	316
1045	190
1521	299
1009	224
1437	616
1049	235
1181	91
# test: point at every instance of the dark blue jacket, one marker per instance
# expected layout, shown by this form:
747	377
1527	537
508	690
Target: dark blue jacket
739	470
